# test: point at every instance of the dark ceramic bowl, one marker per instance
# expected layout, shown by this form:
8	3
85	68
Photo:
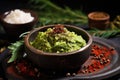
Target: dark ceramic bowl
54	61
14	30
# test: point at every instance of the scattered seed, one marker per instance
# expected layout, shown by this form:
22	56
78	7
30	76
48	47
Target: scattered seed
73	74
99	57
68	74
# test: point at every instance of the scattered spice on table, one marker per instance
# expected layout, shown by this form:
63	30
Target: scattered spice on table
100	57
26	69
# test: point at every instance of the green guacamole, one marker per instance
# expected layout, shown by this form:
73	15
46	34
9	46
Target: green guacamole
58	42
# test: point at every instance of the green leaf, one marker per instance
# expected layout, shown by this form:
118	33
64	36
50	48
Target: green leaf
51	13
15	49
104	33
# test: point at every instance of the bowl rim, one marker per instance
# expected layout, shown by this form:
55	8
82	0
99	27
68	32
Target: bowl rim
33	14
37	51
90	15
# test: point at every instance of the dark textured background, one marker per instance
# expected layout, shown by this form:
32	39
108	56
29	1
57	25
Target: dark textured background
109	6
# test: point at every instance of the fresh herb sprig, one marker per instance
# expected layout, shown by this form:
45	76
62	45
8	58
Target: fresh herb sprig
50	13
105	33
115	24
112	31
16	49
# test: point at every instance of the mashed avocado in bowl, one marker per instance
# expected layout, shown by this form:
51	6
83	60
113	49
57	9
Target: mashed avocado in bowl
59	48
58	40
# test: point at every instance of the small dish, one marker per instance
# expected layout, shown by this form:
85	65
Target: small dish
13	29
99	20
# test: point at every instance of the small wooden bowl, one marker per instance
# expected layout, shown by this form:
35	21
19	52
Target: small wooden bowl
54	61
98	20
14	30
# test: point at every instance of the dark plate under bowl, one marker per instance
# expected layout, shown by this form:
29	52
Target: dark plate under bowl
109	70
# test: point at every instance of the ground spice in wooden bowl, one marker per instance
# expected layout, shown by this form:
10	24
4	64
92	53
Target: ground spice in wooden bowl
98	20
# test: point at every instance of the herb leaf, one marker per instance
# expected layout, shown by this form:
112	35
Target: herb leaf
50	13
105	33
15	49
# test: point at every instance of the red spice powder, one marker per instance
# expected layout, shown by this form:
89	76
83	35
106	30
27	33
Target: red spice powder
99	59
58	29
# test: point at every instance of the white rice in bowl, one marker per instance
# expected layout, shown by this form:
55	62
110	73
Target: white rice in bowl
18	16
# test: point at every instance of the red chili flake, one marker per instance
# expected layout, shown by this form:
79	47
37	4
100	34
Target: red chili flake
25	68
58	29
31	73
99	58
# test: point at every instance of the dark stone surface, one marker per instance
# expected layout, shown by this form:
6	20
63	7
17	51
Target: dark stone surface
115	40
